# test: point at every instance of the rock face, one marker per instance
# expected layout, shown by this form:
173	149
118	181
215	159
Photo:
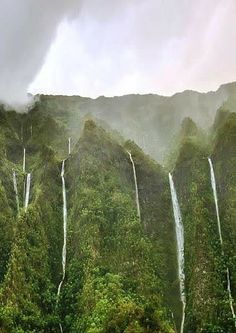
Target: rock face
121	272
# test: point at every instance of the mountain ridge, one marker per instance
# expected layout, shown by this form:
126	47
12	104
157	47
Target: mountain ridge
226	85
152	121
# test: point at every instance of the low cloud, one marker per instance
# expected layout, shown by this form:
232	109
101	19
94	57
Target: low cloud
27	29
133	46
104	47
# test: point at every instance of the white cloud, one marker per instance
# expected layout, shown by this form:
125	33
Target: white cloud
114	48
152	46
27	28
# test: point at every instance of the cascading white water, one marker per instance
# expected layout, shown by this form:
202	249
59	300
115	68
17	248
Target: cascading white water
16	191
27	192
136	185
213	185
214	190
179	229
69	146
23	166
230	296
64	231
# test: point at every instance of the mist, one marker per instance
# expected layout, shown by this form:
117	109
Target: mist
153	46
98	47
27	29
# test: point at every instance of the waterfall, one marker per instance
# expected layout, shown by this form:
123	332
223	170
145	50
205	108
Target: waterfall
136	185
64	227
16	191
27	193
230	296
23	166
65	233
21	132
213	185
214	190
69	146
180	246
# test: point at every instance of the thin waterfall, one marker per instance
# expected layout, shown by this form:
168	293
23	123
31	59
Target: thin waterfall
179	229
69	146
214	190
213	185
21	132
136	185
27	193
23	169
230	296
64	231
16	191
23	165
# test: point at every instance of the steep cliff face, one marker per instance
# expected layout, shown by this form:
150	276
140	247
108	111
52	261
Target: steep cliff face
121	255
114	270
208	306
206	295
157	220
32	242
224	157
117	265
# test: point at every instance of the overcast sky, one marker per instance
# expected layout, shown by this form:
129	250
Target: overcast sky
104	47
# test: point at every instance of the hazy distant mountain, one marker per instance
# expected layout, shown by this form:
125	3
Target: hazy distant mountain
150	120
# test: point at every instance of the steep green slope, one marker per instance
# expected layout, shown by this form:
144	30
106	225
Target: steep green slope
109	252
32	241
188	130
113	282
208	308
121	269
224	159
156	216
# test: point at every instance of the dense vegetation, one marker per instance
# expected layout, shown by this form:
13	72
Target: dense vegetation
121	269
